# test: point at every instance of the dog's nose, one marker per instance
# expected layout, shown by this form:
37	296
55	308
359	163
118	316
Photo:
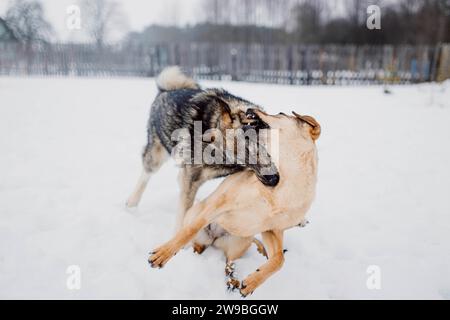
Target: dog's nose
271	180
250	114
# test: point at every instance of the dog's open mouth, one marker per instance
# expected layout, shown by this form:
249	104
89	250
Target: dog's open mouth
253	121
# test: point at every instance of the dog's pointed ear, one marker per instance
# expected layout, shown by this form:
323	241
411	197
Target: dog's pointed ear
226	120
315	130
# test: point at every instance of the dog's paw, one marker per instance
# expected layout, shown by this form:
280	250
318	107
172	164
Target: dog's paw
233	284
161	255
303	223
250	284
198	248
131	210
132	202
129	205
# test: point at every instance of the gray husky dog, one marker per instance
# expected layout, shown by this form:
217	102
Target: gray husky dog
179	104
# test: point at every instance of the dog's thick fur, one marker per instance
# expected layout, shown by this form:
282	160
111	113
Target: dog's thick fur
242	207
179	103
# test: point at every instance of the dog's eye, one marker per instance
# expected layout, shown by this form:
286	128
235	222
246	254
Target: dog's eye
281	114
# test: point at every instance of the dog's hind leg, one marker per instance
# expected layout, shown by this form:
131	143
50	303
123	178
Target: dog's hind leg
234	247
231	281
260	247
135	197
153	157
273	241
202	241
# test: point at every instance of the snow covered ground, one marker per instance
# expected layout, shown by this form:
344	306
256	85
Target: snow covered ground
70	156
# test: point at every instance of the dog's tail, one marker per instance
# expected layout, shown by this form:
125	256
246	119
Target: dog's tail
172	78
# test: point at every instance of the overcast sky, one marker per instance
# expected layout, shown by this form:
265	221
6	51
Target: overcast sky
139	13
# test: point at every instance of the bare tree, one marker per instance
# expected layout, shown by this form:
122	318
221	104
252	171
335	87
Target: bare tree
27	22
327	21
101	19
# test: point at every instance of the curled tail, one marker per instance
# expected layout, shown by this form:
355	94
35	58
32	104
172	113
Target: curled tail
172	78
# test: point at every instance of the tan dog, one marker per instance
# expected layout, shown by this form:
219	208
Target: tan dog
242	207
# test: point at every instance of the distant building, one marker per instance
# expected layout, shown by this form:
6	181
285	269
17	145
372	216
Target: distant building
6	34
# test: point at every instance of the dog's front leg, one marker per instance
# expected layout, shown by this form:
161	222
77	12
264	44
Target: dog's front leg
273	241
207	213
162	254
190	179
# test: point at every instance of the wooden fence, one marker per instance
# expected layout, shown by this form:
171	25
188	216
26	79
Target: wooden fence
296	64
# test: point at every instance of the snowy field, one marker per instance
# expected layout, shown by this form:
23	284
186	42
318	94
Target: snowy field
70	156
